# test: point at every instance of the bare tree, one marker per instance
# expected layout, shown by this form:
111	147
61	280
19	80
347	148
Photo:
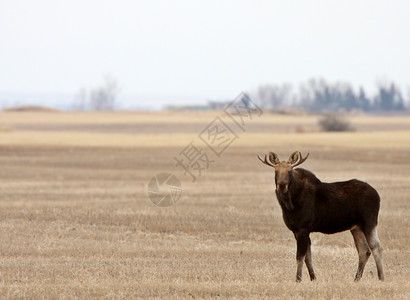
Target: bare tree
103	98
274	96
408	97
80	99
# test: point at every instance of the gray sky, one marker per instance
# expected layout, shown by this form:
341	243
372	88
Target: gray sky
200	49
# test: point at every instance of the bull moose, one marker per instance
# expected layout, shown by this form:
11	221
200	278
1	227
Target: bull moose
309	205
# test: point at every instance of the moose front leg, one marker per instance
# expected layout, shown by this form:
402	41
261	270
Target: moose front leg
302	241
308	261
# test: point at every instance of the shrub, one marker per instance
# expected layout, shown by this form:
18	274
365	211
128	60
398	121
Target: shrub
334	122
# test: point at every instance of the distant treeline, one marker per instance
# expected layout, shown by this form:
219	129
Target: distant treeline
321	96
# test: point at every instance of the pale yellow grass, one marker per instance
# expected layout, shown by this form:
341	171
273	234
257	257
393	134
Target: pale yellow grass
75	221
381	140
105	117
175	117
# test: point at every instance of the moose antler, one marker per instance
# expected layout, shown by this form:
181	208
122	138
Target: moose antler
273	158
266	162
296	159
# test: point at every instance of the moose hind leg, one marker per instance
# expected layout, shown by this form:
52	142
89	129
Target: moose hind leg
363	251
375	246
308	262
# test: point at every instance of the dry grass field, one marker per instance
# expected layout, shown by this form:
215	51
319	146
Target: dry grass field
75	220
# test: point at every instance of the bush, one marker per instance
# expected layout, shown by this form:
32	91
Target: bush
334	123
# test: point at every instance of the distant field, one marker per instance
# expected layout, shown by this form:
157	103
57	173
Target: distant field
178	122
75	220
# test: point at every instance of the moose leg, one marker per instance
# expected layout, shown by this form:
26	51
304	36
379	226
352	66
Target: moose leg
302	241
308	262
375	246
362	249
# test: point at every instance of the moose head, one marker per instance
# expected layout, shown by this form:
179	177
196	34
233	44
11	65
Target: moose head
283	169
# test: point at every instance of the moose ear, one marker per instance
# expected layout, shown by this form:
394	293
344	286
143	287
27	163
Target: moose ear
294	157
274	159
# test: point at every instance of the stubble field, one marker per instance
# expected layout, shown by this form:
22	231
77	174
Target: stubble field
75	220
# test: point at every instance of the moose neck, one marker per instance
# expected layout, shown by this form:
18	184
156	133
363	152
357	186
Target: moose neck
294	185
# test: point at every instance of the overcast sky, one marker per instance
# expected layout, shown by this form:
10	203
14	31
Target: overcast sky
200	49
